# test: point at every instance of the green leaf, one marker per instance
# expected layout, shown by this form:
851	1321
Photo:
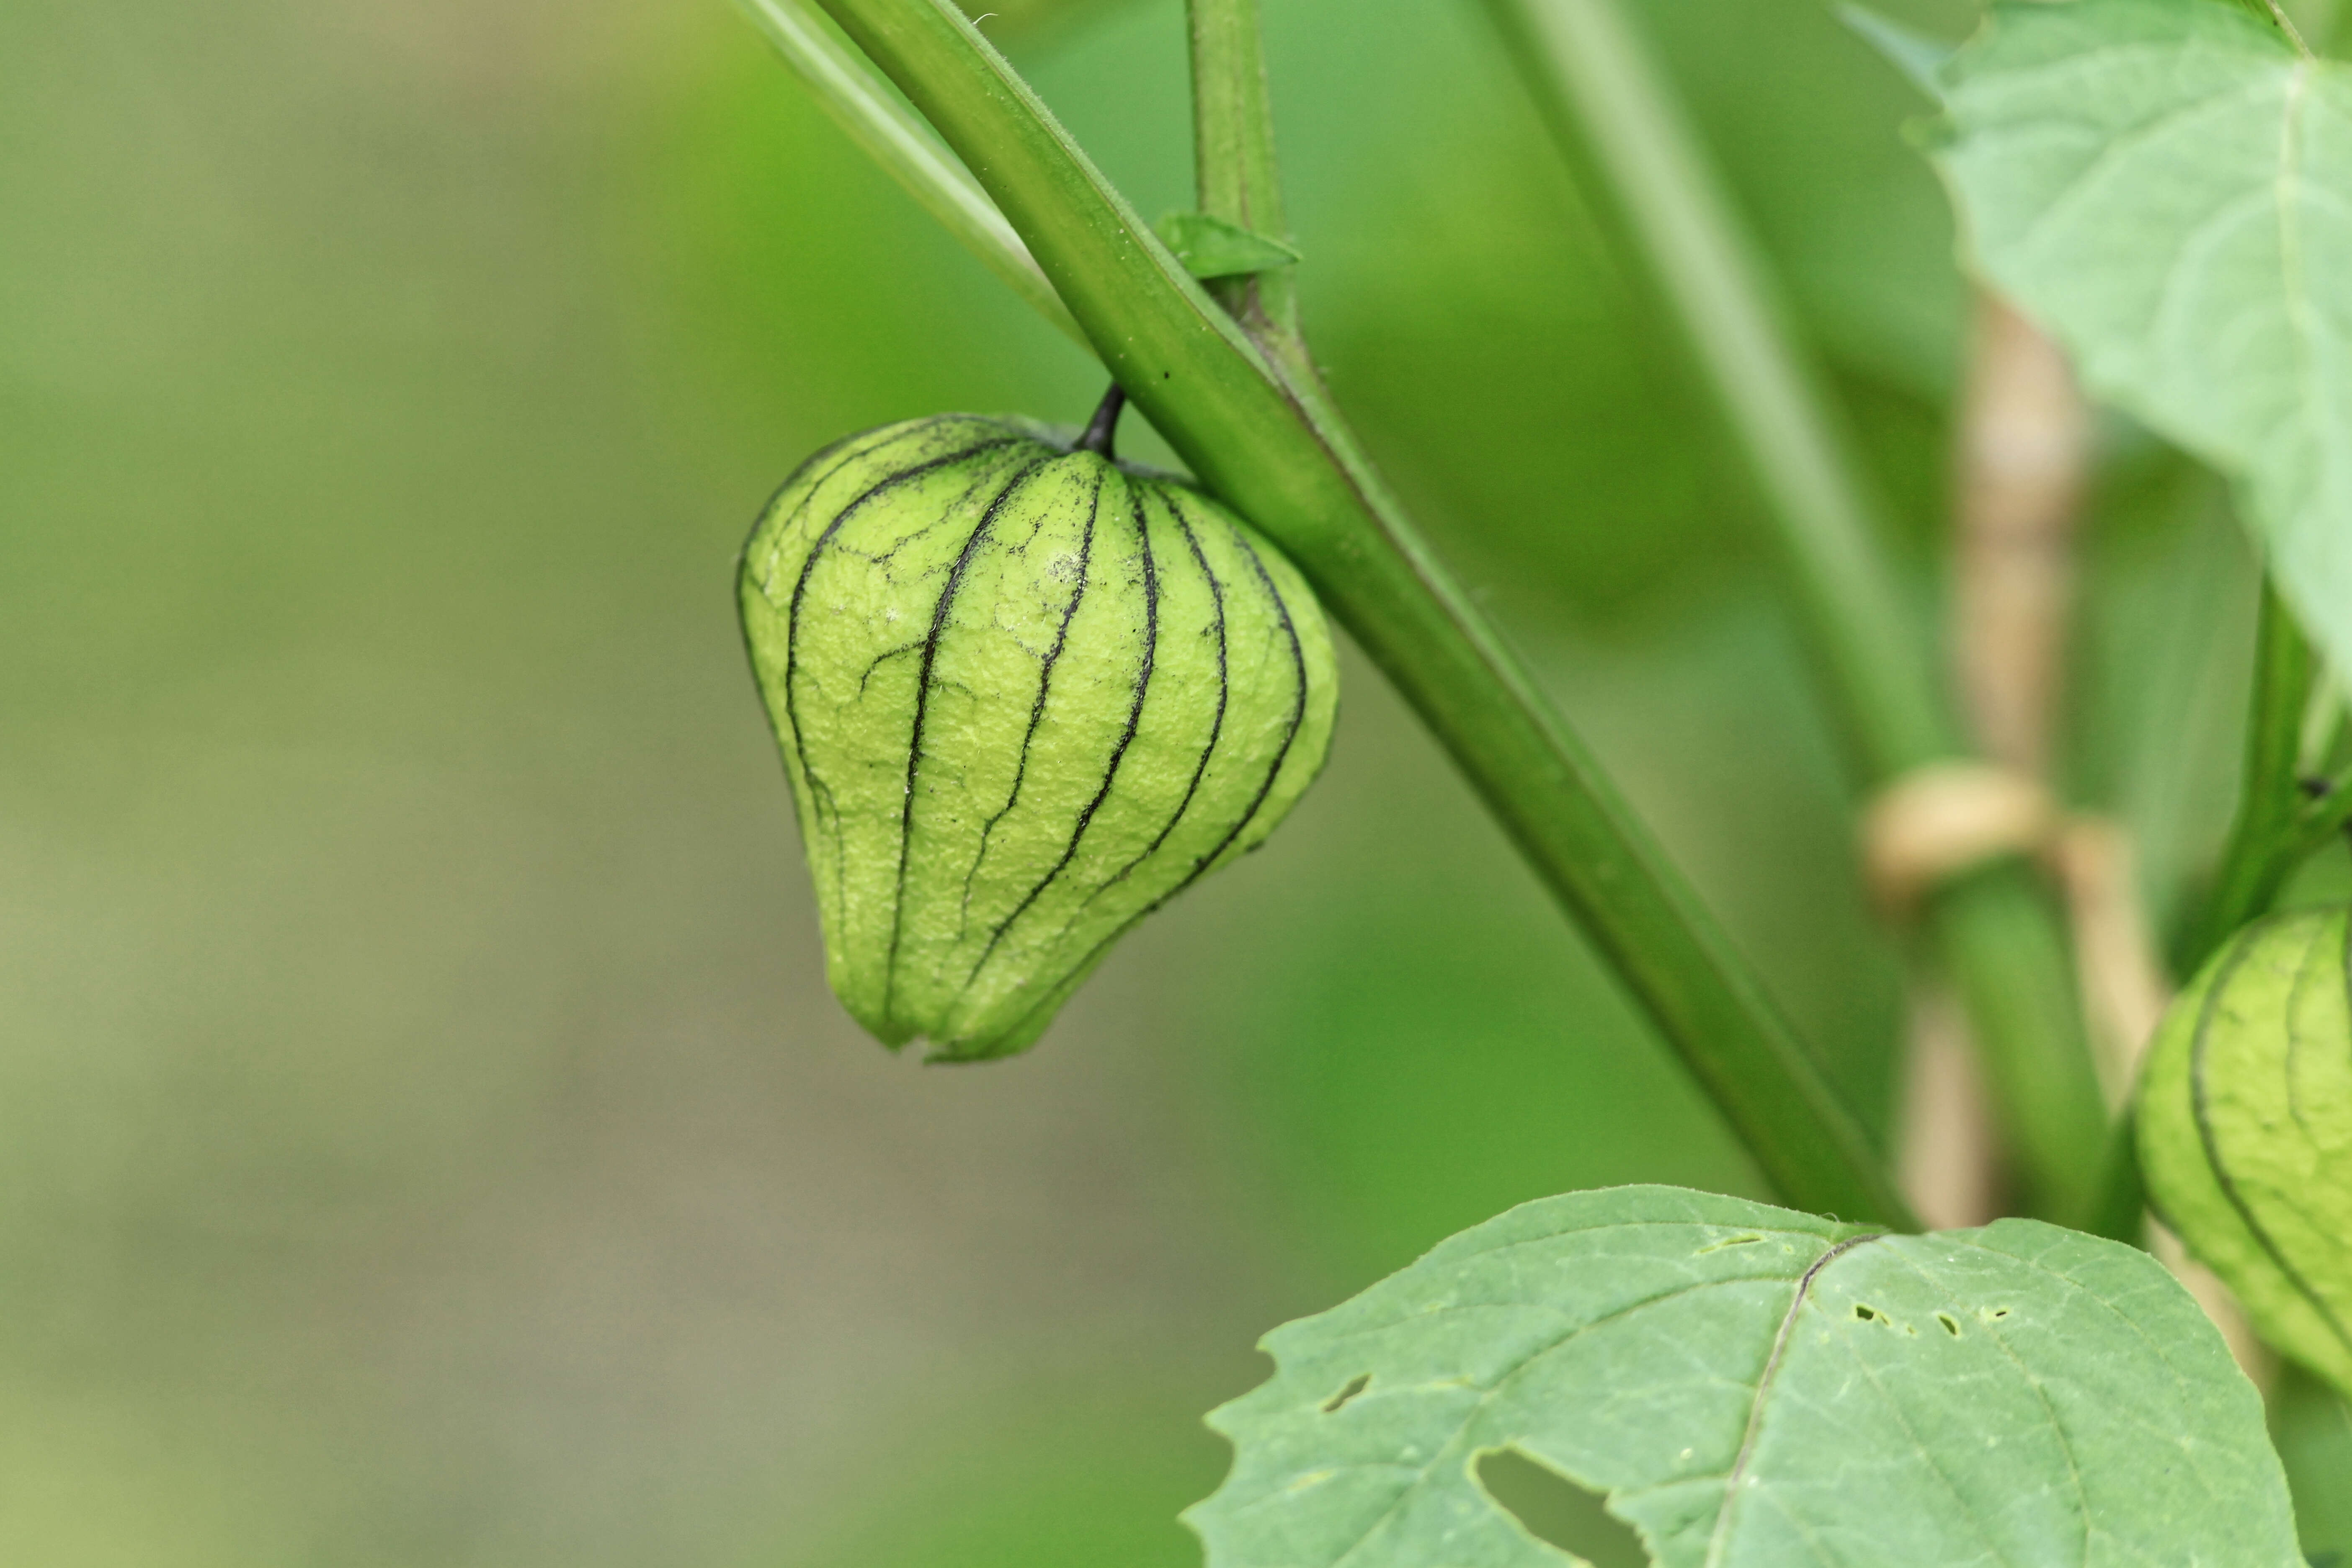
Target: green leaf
1212	248
2167	187
1752	1387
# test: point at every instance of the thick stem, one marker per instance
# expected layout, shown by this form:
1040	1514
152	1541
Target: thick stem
1274	449
2264	841
1948	1149
2022	456
1998	932
1616	116
1234	161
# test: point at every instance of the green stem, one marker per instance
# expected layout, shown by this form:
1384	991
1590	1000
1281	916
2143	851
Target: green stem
1238	177
2121	1213
2267	836
1614	110
862	103
1998	932
1274	449
2274	12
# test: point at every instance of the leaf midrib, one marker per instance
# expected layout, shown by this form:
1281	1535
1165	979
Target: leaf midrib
1721	1535
1486	1396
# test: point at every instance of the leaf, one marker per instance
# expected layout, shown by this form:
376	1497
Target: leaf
2167	187
2016	1395
1212	248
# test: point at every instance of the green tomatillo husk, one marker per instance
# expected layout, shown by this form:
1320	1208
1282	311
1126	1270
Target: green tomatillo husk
2245	1130
1025	694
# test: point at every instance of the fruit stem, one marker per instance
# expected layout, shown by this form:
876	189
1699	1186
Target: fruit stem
1102	430
2264	845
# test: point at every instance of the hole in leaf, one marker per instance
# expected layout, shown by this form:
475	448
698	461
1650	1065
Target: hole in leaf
1356	1384
1951	1326
1864	1313
1555	1509
2000	1311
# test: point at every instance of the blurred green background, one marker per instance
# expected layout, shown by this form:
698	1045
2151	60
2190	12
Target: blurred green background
425	1134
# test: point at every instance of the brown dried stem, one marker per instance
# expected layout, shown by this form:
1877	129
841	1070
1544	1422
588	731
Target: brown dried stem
2021	453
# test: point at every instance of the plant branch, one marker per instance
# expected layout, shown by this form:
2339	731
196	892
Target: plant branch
2022	453
862	103
1996	931
2019	452
1277	450
1597	83
1238	177
2274	12
2267	836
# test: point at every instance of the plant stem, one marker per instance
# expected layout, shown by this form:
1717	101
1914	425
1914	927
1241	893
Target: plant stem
1607	102
2019	452
1998	930
1276	450
862	103
2274	12
1101	434
1235	168
2266	837
2021	455
2121	1211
